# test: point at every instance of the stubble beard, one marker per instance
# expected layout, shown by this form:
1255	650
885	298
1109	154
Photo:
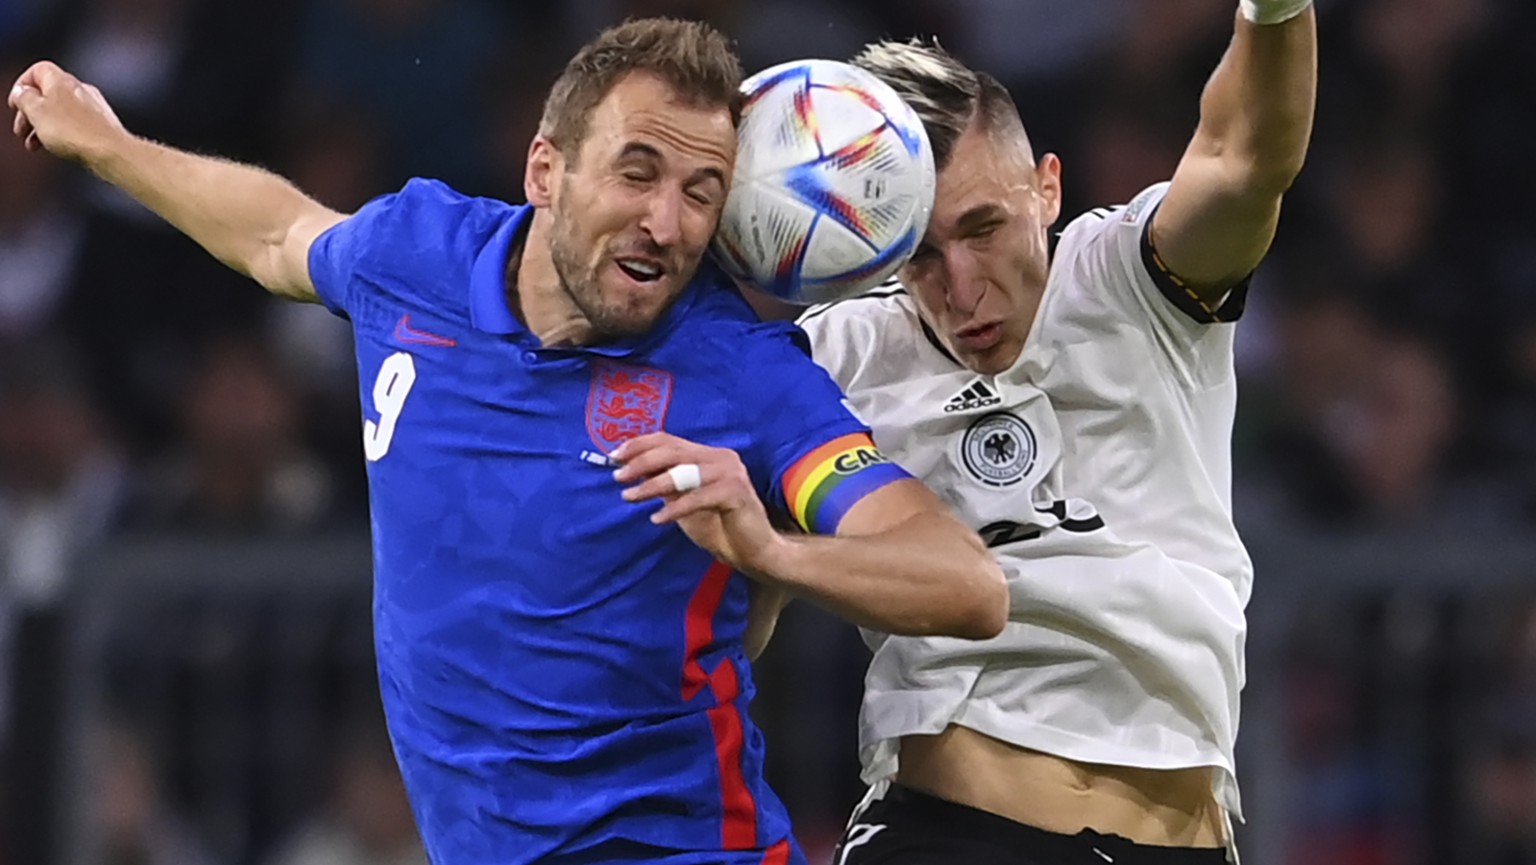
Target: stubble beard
579	281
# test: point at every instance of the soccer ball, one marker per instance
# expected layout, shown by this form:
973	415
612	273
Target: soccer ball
833	186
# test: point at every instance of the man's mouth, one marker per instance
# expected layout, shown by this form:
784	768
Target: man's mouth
642	270
979	337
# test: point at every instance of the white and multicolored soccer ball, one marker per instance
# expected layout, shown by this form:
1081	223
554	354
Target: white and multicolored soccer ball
833	186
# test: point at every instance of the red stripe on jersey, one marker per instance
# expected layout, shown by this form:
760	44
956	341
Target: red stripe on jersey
738	810
738	826
778	854
699	626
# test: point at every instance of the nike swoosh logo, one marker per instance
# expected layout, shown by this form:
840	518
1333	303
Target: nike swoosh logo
405	333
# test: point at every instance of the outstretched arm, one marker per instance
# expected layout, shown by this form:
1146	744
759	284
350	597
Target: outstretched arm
252	220
1219	215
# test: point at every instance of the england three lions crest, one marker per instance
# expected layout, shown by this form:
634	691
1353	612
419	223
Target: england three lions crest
625	402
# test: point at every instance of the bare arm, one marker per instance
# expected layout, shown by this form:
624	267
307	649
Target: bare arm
764	604
900	563
255	222
1219	216
251	220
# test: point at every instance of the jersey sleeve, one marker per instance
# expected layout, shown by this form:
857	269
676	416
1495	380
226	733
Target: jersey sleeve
839	342
819	456
379	248
1114	271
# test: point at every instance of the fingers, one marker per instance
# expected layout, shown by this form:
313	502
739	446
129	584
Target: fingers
23	96
41	76
639	446
648	455
21	125
657	462
32	83
685	477
40	82
666	483
672	468
24	130
717	497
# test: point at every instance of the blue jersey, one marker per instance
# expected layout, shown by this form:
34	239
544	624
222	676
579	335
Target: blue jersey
564	681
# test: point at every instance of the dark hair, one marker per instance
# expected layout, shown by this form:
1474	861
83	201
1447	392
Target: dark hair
947	95
694	58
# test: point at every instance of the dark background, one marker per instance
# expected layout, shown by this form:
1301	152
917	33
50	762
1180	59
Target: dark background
207	697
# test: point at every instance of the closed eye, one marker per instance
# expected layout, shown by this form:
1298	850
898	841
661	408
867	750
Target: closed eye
638	163
705	197
985	230
924	253
981	221
706	186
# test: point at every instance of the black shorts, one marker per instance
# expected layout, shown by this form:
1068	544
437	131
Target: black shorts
911	828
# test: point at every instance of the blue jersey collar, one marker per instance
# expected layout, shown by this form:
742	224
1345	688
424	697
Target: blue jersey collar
488	310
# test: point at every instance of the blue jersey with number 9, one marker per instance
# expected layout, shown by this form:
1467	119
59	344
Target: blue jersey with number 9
564	681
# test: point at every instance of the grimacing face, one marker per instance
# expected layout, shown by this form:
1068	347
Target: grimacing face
980	270
635	207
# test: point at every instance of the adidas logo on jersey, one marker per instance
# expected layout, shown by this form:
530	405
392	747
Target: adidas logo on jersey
978	395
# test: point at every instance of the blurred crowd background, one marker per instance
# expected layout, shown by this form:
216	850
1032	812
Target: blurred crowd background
184	633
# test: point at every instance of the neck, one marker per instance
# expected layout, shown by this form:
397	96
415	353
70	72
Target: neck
535	294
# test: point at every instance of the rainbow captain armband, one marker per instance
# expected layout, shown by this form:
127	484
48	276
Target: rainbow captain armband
827	482
1272	11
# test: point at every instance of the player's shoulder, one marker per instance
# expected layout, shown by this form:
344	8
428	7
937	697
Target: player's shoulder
718	328
426	210
1130	217
859	318
867	338
415	248
712	312
889	299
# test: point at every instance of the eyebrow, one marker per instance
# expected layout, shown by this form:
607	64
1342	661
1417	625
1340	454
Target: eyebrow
641	150
637	149
978	216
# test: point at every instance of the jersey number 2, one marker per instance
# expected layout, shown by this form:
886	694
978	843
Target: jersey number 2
389	392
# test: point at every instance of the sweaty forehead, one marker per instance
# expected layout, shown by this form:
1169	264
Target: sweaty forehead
980	175
643	108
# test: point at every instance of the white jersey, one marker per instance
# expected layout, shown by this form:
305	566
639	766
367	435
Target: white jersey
1098	471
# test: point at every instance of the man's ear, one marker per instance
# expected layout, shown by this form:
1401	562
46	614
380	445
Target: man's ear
541	179
1048	184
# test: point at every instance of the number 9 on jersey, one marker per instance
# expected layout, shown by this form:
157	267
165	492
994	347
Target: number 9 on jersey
389	392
